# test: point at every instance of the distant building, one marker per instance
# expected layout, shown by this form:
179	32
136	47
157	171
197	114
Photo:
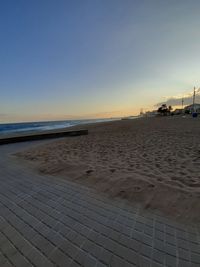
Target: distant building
191	108
178	111
151	113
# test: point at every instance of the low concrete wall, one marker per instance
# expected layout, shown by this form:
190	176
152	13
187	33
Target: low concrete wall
41	136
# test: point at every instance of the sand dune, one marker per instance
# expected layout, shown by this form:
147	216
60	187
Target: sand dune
154	161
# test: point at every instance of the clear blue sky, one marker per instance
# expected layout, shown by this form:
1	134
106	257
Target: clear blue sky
80	58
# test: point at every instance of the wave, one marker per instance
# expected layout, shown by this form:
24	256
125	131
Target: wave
10	128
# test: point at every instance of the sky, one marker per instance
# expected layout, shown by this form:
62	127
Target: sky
62	59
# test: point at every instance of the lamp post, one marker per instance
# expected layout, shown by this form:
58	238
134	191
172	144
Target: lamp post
194	99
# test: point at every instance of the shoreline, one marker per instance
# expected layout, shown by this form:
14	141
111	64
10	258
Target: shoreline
151	161
37	131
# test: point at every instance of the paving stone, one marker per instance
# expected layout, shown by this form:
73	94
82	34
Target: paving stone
194	248
137	235
37	259
139	227
159	226
79	240
127	242
3	239
10	232
170	260
105	256
171	250
195	258
26	248
147	240
146	251
18	241
28	232
93	236
74	264
149	221
69	248
170	239
68	221
130	222
145	262
85	231
106	243
20	261
84	259
7	264
8	249
92	248
158	256
49	222
194	265
3	259
99	264
72	235
127	231
117	226
43	245
115	235
193	238
182	263
181	234
159	245
59	258
148	230
159	235
130	256
184	254
102	229
118	262
54	238
155	264
42	228
170	230
59	226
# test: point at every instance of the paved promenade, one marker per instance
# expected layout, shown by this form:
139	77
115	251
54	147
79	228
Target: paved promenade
47	222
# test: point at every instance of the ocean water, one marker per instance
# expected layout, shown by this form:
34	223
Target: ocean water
11	128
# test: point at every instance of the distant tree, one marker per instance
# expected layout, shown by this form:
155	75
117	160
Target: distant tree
170	108
164	110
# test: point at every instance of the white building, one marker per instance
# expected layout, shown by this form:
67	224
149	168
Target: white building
191	108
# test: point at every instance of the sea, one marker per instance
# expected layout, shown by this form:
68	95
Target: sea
27	127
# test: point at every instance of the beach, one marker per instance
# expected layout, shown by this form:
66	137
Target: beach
153	162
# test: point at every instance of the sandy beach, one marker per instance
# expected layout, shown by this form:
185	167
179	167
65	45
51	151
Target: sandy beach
151	161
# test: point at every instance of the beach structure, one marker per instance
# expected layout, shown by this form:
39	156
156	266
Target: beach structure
178	111
41	136
194	93
182	102
152	113
191	108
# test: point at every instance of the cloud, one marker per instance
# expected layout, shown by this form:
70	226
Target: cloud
177	100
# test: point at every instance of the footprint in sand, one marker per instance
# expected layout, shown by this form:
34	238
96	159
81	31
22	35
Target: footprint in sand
151	185
137	189
89	171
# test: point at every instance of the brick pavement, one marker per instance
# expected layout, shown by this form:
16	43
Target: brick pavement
52	222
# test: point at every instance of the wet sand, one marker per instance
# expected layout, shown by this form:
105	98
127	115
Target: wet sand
152	161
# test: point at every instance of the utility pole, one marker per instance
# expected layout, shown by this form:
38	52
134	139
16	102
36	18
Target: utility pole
182	102
194	99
